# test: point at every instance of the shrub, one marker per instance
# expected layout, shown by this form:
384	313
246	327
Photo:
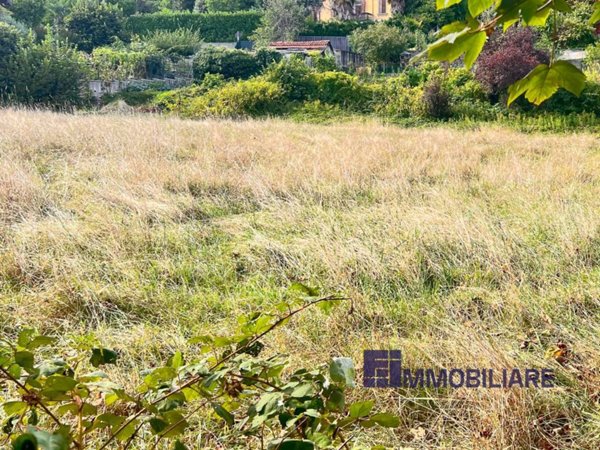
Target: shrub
9	37
592	58
436	100
29	12
49	73
266	56
323	63
57	397
93	24
248	98
507	58
229	63
112	64
212	27
215	6
294	76
333	27
564	102
183	42
342	89
381	44
394	99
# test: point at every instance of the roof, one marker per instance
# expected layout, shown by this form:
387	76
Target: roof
300	45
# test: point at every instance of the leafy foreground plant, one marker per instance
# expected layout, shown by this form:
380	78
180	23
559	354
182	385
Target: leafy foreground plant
60	404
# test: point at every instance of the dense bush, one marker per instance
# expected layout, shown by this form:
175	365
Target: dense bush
249	98
9	37
396	99
29	12
267	56
333	27
382	44
108	63
436	99
508	58
339	88
215	6
49	73
93	24
181	42
294	76
229	63
212	27
573	29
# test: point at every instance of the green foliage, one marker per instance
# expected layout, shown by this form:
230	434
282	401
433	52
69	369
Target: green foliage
266	56
282	20
573	28
467	38
212	27
382	44
29	12
55	403
339	88
249	98
50	73
229	63
333	27
543	81
216	6
323	63
108	64
94	23
9	37
295	78
183	42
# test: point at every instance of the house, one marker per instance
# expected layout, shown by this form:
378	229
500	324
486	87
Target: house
359	9
324	47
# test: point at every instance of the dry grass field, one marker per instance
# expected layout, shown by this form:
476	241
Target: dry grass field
466	248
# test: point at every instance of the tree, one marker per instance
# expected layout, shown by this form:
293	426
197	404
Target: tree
9	37
468	38
282	21
381	43
507	58
50	73
29	12
92	24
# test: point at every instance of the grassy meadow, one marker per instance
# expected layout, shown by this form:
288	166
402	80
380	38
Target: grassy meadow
463	248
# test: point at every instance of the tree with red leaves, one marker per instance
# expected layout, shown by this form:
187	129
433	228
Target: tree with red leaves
507	58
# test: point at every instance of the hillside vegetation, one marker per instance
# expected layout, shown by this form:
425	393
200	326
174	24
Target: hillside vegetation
461	247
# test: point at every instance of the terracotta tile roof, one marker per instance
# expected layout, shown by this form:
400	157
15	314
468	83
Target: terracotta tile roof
304	45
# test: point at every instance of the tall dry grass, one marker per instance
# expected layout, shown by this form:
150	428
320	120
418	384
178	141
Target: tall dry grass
462	248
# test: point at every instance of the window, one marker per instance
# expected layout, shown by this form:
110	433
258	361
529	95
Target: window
382	6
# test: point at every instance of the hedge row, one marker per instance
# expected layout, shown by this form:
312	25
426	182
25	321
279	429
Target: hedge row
213	27
333	27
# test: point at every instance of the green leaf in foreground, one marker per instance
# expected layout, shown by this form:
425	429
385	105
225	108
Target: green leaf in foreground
386	420
596	14
361	409
476	7
342	371
453	45
543	81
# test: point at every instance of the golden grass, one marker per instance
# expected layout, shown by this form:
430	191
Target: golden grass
455	245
